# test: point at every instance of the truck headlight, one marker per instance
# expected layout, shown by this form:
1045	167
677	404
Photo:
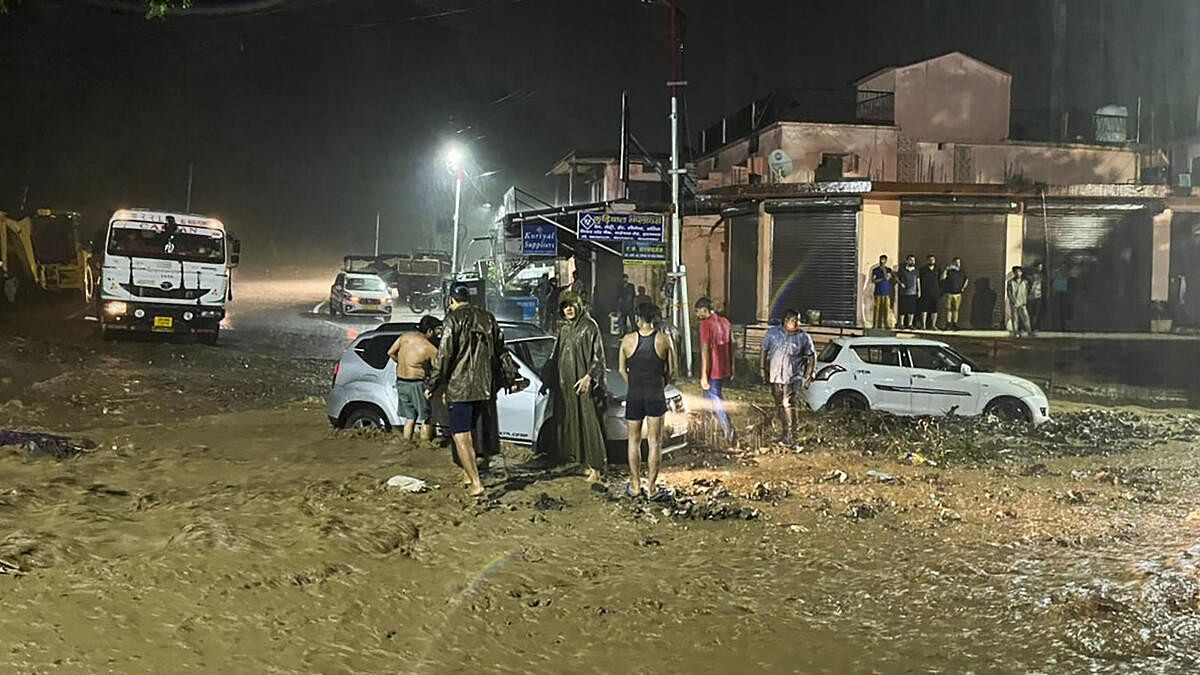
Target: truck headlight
115	308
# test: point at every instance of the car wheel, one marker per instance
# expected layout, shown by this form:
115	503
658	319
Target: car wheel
848	400
1008	409
366	418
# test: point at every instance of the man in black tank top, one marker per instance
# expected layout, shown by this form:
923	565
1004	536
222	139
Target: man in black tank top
647	364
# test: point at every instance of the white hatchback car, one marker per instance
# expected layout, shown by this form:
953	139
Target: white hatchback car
917	377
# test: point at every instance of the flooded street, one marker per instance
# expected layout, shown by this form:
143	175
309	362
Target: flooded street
219	524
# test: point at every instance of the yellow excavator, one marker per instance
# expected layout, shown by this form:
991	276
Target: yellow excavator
42	252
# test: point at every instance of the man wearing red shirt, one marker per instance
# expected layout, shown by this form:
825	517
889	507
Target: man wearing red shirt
716	360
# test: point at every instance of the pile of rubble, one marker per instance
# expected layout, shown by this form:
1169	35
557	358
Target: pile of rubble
704	499
933	440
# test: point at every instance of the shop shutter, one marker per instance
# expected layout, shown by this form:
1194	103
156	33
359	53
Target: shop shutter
814	260
1106	251
742	297
974	230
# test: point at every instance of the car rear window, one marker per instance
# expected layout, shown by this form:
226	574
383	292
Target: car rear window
374	350
881	355
830	353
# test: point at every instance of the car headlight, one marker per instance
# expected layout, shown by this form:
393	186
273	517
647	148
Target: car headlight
115	308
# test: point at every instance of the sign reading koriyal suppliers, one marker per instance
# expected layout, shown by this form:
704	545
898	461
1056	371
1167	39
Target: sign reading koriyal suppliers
598	226
539	239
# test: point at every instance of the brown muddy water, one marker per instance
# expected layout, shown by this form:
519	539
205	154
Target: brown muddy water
263	542
219	525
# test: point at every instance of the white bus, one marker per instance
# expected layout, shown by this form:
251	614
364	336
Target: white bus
165	272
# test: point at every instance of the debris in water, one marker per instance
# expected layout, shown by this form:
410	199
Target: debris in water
880	476
835	476
545	502
47	445
407	483
858	509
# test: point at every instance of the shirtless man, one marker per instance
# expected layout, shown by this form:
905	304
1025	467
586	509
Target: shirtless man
413	353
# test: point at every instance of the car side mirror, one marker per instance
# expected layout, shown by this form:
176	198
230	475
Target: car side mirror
965	369
235	251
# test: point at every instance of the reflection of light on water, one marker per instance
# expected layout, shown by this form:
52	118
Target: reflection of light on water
490	570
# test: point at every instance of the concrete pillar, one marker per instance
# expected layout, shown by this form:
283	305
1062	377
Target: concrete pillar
704	255
766	239
1160	266
1014	244
878	234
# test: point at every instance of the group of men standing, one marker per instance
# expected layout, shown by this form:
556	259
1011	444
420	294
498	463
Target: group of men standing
929	297
464	361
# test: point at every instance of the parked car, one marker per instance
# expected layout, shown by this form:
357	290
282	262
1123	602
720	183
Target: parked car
363	392
918	377
359	293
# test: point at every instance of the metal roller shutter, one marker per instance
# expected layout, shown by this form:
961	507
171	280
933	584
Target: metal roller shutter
1106	252
742	297
814	262
975	231
1185	262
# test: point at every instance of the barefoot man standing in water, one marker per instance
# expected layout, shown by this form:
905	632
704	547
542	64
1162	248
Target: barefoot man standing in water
468	363
413	353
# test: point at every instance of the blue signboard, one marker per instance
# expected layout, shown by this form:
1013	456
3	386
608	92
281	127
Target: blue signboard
598	226
644	253
539	239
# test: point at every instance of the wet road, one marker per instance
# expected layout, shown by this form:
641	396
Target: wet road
292	318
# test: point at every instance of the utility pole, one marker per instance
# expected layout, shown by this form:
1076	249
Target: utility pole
188	207
679	314
376	234
458	180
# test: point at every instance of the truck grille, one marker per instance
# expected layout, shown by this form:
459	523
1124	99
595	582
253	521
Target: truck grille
174	293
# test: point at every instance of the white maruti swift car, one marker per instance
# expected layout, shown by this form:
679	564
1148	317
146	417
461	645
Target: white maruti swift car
917	377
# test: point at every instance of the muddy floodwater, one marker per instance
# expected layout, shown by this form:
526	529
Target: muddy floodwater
224	527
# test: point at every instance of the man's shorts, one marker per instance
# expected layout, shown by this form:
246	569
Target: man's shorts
928	304
908	304
953	302
411	403
464	415
638	409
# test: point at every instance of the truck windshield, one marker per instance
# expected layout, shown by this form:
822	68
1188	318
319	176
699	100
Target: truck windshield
151	240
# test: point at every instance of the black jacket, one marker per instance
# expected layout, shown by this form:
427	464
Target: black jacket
472	361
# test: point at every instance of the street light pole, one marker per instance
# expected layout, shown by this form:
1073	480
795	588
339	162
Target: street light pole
678	270
458	181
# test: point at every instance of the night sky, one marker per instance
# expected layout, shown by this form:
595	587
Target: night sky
302	123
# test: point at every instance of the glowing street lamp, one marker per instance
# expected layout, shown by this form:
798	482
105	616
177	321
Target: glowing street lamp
455	156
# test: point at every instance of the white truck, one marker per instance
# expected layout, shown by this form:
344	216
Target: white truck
165	272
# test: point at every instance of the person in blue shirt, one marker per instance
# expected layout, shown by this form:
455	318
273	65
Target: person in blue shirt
788	359
882	279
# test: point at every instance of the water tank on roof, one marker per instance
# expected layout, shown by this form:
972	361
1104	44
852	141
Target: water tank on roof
1112	124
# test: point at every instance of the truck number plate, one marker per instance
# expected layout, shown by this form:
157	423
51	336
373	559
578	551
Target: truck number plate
164	323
